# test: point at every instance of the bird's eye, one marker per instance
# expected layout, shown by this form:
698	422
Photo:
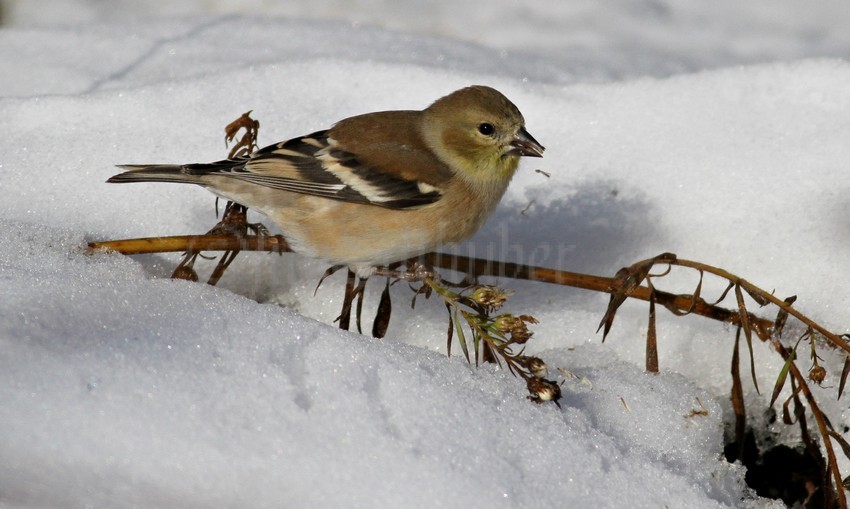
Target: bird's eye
486	129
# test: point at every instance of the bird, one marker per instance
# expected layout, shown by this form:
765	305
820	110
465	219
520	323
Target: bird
375	188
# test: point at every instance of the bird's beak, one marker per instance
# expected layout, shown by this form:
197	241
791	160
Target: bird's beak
524	144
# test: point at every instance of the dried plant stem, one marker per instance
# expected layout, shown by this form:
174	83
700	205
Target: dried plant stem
684	303
751	289
824	427
469	265
182	243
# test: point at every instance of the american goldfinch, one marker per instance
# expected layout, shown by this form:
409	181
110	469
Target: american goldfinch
376	188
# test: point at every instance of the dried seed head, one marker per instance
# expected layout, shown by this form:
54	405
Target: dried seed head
528	319
185	272
520	333
537	367
541	390
491	297
817	374
505	323
534	365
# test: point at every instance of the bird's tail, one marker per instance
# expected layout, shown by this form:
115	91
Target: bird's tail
154	173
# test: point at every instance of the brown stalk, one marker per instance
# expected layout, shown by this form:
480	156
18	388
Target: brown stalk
824	427
763	297
737	396
473	266
182	243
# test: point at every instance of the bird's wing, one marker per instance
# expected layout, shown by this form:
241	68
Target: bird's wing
319	165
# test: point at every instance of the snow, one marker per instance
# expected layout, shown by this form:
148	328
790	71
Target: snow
122	388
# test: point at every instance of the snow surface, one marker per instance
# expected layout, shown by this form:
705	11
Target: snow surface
122	388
